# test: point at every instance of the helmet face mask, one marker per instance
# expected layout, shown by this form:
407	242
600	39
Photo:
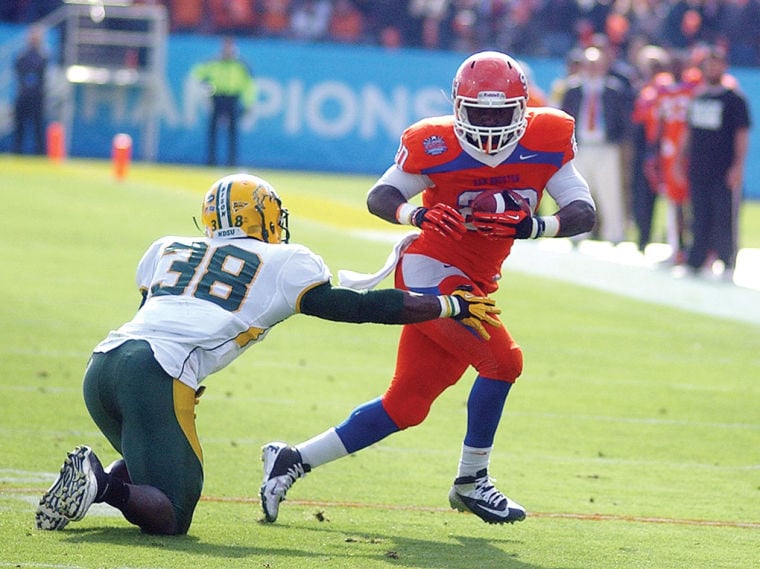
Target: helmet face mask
242	205
490	95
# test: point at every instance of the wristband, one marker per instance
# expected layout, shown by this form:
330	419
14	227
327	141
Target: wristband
449	306
546	226
404	213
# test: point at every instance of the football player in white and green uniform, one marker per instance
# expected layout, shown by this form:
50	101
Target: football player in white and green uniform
205	301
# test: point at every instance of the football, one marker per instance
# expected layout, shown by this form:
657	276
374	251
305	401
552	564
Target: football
499	201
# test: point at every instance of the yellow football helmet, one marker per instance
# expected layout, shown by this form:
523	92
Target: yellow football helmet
241	205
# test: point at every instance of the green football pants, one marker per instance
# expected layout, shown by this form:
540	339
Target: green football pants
149	418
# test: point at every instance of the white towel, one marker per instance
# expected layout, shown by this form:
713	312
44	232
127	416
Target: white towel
368	281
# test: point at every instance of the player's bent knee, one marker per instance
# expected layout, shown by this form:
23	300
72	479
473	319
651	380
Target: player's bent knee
507	368
409	412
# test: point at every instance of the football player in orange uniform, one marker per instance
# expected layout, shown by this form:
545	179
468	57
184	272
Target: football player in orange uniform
493	141
654	64
672	111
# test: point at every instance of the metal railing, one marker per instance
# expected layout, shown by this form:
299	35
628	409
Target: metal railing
102	45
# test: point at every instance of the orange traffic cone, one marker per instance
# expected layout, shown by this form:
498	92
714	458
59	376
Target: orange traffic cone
121	154
56	142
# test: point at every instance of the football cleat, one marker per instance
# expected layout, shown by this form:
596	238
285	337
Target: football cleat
282	467
73	491
476	494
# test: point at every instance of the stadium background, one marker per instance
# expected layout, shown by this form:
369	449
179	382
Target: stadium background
321	107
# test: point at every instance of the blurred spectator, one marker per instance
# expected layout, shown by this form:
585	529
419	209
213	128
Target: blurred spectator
741	21
556	31
30	67
711	15
584	32
431	33
594	13
653	63
275	18
644	17
310	20
616	28
558	87
681	24
528	27
232	16
186	15
490	17
466	30
613	45
391	38
231	86
719	123
379	15
597	101
425	22
346	22
26	11
672	110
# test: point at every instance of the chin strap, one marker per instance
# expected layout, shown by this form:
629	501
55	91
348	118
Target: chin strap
197	226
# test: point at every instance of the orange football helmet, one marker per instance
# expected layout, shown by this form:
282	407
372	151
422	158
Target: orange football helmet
490	96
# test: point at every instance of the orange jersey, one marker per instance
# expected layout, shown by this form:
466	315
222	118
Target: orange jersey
646	105
673	107
430	147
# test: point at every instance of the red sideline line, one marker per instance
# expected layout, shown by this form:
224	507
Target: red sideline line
556	515
412	508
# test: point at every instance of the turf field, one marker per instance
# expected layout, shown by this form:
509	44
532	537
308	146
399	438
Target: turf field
633	437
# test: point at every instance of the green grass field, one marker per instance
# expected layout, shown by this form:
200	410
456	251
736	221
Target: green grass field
633	437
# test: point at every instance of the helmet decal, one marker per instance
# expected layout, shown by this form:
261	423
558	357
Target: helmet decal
242	205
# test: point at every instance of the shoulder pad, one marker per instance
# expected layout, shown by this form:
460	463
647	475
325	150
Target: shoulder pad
427	143
548	129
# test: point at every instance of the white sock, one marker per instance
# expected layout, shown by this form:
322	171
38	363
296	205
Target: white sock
322	448
473	459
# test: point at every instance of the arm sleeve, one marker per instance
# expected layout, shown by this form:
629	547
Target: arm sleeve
408	184
385	306
577	211
394	188
568	185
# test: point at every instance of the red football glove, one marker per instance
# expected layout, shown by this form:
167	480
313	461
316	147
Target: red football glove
518	224
441	218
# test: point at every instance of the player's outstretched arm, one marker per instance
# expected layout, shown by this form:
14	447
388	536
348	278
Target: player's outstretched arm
393	306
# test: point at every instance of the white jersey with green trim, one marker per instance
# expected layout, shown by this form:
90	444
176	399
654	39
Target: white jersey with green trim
208	300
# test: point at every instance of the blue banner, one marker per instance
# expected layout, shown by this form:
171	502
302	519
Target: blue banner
318	107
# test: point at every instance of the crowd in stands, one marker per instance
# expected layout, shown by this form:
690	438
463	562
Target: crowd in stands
523	27
648	56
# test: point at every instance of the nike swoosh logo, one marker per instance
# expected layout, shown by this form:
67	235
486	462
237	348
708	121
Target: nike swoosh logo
484	506
527	156
515	217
